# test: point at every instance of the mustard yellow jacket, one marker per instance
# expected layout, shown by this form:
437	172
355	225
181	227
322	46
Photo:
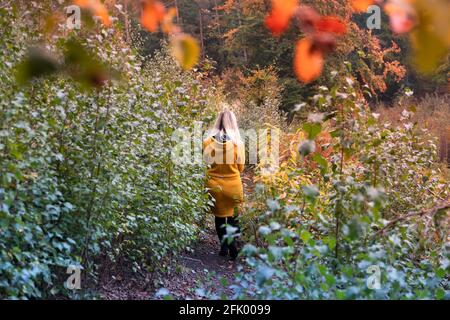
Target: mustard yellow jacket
224	183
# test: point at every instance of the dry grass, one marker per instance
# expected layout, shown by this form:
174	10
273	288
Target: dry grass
432	112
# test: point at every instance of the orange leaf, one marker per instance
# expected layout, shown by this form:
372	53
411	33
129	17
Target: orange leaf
167	25
97	8
331	24
361	5
278	19
81	3
308	63
153	13
100	10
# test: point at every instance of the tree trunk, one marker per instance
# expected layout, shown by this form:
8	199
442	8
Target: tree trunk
127	22
200	18
217	17
240	25
178	12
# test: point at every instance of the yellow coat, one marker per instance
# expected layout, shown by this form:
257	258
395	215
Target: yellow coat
224	183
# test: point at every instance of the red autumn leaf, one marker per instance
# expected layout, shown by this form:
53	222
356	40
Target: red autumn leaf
278	19
308	62
362	5
401	15
153	13
97	8
331	24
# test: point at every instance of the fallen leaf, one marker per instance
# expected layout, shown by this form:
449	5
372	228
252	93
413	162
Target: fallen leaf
278	19
308	63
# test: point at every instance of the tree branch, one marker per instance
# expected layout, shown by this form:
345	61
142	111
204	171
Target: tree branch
432	211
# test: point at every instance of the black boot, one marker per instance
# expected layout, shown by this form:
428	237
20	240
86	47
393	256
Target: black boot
232	246
233	250
220	228
223	249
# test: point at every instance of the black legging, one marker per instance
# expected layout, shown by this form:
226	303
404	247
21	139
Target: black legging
221	230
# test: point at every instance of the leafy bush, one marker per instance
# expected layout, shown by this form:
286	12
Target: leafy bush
86	172
431	112
358	197
255	98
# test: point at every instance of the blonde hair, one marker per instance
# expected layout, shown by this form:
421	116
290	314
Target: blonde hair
226	123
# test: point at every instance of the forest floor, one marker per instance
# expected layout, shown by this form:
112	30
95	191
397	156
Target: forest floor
194	269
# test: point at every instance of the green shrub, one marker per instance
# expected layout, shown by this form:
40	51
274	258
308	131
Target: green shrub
326	220
86	172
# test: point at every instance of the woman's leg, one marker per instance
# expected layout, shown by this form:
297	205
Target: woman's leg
233	221
227	245
221	231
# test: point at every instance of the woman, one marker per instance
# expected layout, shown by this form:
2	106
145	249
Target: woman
224	152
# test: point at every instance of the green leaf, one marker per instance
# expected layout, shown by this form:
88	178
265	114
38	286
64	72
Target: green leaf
224	281
340	294
440	272
336	133
329	278
322	269
305	236
440	293
312	129
322	162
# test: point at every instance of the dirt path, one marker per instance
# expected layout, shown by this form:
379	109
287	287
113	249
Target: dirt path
198	272
202	271
203	265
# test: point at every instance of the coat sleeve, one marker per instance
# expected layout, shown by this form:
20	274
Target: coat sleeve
206	152
240	157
